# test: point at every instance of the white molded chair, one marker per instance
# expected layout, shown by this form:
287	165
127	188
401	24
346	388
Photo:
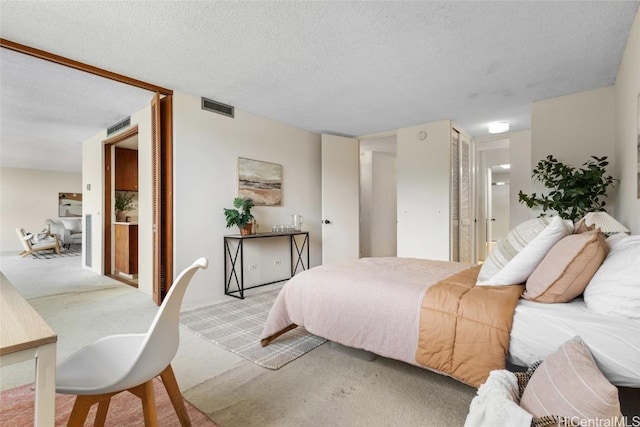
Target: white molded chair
129	362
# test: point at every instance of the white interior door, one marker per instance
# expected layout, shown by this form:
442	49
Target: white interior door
489	213
340	199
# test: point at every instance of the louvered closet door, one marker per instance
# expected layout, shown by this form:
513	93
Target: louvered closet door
156	196
454	194
465	241
461	241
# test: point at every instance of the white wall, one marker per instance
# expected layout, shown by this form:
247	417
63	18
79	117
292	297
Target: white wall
366	206
519	175
384	201
627	168
206	150
573	128
423	169
92	200
28	197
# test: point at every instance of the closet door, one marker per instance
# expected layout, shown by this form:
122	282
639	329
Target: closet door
454	182
461	241
465	235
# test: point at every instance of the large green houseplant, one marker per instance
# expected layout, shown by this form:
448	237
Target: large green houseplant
241	216
574	191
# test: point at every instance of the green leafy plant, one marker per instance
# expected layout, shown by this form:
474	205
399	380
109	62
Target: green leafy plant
574	191
123	201
240	216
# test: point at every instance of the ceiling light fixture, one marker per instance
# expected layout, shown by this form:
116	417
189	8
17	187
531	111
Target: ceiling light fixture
498	127
507	166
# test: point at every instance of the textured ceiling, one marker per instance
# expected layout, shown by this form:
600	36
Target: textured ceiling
349	68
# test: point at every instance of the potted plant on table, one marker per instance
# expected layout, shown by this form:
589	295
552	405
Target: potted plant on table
241	216
123	203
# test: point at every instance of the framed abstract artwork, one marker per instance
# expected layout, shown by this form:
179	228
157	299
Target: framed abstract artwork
260	181
69	205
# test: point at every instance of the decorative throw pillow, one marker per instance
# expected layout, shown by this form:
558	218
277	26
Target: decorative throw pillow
581	227
615	288
565	271
516	255
569	384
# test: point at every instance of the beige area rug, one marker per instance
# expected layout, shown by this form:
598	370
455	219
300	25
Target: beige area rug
16	409
329	387
236	325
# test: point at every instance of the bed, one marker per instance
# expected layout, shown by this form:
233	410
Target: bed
376	304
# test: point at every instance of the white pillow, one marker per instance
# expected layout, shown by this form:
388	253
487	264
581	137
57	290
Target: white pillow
516	255
614	239
615	288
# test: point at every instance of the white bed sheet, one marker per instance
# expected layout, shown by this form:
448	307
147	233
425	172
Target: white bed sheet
539	329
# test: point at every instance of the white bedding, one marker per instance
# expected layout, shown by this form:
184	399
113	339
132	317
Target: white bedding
374	304
539	329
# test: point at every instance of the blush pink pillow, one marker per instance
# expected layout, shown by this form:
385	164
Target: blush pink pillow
569	384
567	268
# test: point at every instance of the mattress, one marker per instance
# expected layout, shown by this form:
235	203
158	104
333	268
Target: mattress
539	329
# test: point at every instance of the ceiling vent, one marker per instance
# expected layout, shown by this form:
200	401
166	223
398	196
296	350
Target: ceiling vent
118	126
217	107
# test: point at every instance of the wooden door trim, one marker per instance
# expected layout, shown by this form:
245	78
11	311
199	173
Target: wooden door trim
68	62
166	114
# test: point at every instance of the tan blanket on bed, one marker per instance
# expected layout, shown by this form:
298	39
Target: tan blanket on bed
464	329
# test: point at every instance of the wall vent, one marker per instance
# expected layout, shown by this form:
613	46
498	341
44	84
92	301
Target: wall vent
88	228
217	107
118	126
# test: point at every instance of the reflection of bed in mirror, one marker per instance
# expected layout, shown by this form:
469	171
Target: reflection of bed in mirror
69	204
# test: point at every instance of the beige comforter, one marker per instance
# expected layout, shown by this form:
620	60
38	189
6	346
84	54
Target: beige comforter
464	328
371	303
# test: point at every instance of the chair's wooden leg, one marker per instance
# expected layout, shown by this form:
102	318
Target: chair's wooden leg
80	411
171	385
82	406
101	413
145	393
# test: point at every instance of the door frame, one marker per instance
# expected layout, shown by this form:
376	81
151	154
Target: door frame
163	271
109	174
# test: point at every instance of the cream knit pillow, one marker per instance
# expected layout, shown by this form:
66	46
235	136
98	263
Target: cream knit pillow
516	255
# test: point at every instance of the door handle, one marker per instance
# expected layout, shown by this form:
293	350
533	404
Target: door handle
326	221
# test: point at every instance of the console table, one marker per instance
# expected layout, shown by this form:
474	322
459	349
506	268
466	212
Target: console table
298	240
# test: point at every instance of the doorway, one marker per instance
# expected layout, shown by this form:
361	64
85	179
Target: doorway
378	197
493	213
121	198
162	159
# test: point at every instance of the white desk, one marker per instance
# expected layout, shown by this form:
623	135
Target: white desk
25	335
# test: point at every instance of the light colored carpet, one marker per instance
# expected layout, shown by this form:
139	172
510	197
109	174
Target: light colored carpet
237	324
328	387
